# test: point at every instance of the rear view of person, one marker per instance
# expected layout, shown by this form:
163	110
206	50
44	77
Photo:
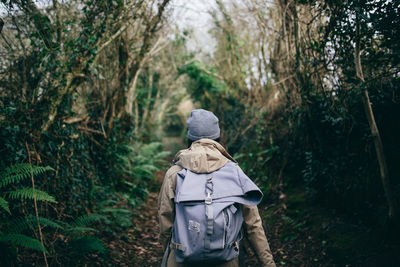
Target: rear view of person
207	203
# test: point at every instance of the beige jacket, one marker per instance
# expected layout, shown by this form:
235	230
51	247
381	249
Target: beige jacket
205	156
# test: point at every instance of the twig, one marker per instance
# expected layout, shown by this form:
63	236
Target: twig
283	80
91	130
102	128
35	204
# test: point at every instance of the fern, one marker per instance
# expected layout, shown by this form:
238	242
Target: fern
24	241
15	169
107	202
19	172
148	167
30	222
116	211
145	170
87	219
160	157
4	205
80	225
44	222
148	150
28	193
141	160
85	244
14	228
80	229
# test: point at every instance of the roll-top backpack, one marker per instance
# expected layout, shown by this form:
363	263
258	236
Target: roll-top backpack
208	215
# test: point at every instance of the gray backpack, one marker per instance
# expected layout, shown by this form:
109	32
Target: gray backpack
208	215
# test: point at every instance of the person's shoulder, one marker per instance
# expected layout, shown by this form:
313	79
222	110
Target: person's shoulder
172	171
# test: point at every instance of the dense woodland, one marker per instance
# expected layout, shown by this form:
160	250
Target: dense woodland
94	97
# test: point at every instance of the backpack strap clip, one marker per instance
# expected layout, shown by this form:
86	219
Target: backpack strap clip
208	199
209	191
209	212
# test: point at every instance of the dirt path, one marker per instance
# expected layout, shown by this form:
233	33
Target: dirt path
137	246
148	251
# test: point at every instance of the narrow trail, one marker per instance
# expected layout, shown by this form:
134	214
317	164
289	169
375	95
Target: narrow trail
139	246
147	249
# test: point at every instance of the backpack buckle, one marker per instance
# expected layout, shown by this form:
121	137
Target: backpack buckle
208	199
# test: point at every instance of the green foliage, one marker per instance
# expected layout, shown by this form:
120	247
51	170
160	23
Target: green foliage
203	86
19	172
29	193
87	219
23	241
119	218
16	227
4	205
345	178
138	165
148	159
81	224
87	244
30	222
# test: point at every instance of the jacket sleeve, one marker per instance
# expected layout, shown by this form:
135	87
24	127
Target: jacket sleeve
166	208
256	235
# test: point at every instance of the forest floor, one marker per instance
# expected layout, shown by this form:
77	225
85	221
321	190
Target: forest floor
139	245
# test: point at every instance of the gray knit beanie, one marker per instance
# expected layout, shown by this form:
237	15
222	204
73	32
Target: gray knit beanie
202	124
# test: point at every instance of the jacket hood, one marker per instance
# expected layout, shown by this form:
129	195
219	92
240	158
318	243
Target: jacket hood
203	156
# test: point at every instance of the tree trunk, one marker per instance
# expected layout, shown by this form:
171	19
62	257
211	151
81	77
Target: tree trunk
384	171
147	104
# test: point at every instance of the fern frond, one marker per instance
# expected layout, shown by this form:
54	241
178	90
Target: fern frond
107	202
80	229
4	205
27	193
19	172
85	244
15	169
162	155
149	167
23	241
146	170
151	153
30	222
150	149
44	222
87	219
113	210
